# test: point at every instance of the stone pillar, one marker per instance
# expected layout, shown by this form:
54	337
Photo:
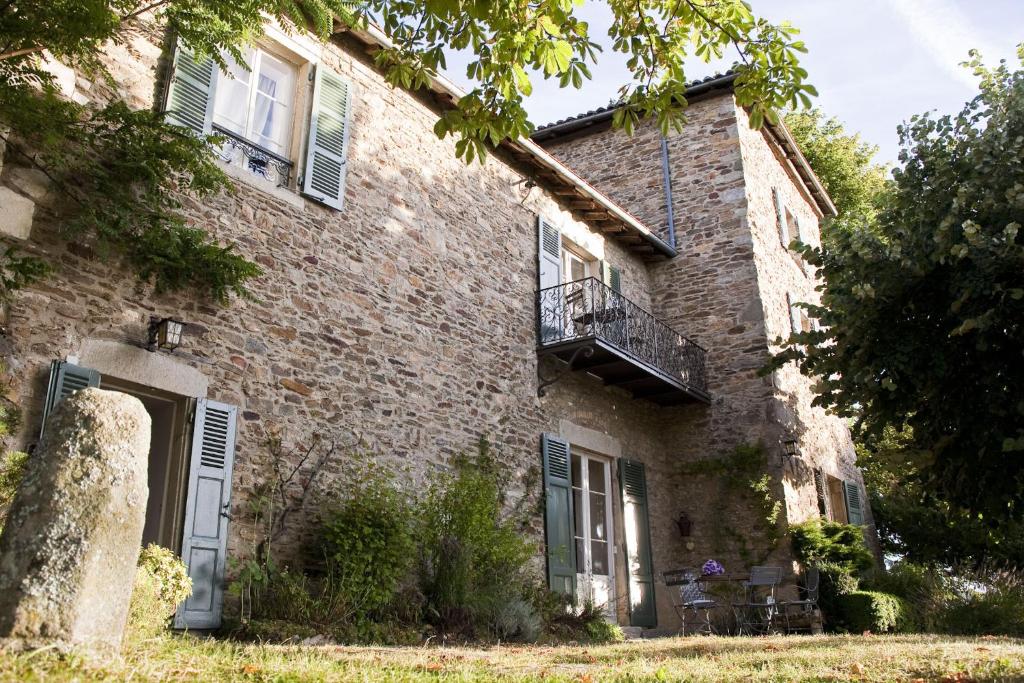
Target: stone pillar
71	542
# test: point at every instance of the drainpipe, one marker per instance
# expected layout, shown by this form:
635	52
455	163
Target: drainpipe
667	180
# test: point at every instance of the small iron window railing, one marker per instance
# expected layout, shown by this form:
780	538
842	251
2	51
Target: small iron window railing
589	309
259	160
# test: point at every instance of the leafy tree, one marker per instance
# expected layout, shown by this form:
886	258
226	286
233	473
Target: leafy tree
845	165
123	172
923	317
914	525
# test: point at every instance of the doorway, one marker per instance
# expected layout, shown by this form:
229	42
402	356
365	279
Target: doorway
595	557
168	461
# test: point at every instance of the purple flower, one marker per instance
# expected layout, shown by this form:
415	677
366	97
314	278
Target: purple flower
712	567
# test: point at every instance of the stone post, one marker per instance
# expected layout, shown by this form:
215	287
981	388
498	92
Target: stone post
71	542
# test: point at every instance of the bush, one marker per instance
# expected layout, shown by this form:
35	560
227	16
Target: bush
161	584
959	601
566	622
12	471
818	541
860	611
474	557
367	541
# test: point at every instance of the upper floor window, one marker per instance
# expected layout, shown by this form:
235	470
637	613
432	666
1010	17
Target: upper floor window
258	107
257	102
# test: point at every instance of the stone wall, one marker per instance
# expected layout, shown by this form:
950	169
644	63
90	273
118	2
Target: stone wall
408	318
727	290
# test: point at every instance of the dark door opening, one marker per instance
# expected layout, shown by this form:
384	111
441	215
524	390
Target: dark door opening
168	461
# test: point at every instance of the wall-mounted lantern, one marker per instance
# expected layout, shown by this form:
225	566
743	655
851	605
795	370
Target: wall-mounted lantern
165	333
685	525
790	448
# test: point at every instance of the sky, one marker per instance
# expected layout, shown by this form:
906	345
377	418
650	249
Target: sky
875	63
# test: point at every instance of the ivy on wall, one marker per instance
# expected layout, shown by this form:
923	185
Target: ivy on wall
742	480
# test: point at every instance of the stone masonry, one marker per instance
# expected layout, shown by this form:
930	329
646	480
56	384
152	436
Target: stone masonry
728	288
409	317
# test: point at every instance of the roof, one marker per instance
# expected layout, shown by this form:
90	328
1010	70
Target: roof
585	201
719	84
704	86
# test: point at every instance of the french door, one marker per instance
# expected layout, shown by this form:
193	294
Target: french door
595	566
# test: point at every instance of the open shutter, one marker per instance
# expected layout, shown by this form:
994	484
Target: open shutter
821	491
780	214
558	515
206	513
549	274
190	93
66	379
327	145
854	503
640	571
615	278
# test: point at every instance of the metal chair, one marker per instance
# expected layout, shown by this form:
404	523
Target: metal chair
802	610
756	615
692	599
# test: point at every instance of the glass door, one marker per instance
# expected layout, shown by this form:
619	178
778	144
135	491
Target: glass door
591	479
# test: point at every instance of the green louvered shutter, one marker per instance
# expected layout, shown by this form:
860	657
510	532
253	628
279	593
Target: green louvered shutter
66	379
327	145
558	515
854	503
639	567
615	278
190	94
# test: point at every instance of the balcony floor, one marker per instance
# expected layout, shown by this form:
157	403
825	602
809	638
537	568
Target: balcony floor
618	368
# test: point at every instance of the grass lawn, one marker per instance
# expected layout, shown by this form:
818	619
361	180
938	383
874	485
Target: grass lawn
819	658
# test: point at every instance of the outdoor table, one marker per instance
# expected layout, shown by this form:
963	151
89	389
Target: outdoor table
725	587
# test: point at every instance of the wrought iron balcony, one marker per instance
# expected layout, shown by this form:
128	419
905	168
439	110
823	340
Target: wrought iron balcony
591	327
261	161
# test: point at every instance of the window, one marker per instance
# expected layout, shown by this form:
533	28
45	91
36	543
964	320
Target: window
257	103
836	501
257	107
576	266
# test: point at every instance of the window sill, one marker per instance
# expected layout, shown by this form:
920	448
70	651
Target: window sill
252	180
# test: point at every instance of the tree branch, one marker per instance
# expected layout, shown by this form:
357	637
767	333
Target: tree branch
21	52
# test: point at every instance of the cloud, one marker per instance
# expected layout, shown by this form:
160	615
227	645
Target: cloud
945	32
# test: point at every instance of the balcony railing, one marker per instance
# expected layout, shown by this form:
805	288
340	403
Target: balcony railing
629	346
261	161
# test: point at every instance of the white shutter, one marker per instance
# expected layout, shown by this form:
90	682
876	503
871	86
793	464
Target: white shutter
206	513
780	213
190	93
327	145
66	379
551	302
549	254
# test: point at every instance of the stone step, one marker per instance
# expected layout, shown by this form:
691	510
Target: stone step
633	632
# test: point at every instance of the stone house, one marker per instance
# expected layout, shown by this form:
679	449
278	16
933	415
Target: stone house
597	305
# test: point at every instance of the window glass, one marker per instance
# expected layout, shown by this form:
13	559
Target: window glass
256	102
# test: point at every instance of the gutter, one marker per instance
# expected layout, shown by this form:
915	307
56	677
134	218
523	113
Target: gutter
666	177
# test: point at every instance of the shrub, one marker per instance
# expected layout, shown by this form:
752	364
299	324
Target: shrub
566	622
161	584
959	601
12	470
817	541
474	557
367	540
860	611
517	620
994	607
